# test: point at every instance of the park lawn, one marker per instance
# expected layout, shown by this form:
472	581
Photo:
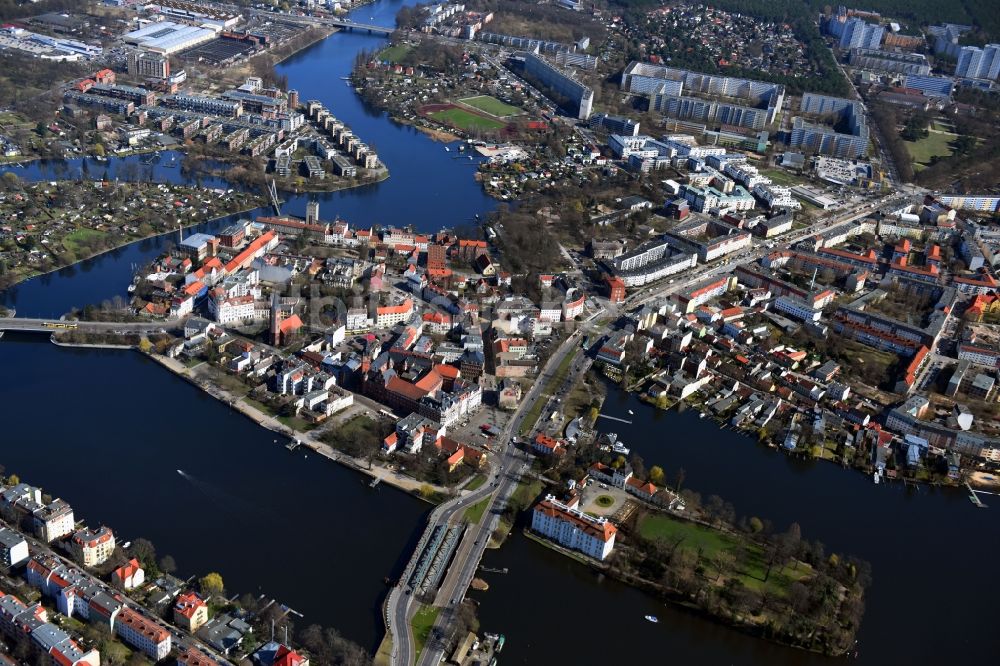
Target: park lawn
491	105
665	528
466	120
781	177
710	542
477	482
296	423
474	513
73	240
423	621
394	53
526	492
935	143
867	356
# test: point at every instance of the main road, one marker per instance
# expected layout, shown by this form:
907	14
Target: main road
500	485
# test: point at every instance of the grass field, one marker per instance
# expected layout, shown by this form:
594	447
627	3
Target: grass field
477	481
936	143
74	240
423	621
491	105
465	120
474	513
394	53
710	542
781	177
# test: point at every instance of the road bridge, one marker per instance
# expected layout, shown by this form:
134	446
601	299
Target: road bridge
62	325
343	24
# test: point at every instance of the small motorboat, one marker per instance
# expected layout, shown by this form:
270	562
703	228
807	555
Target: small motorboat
631	412
447	149
653	618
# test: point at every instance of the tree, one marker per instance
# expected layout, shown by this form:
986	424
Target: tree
724	561
13	480
638	466
426	491
144	551
99	149
145	345
113	652
656	475
756	526
211	584
167	564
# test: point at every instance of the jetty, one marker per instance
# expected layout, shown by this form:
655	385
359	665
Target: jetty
613	418
375	482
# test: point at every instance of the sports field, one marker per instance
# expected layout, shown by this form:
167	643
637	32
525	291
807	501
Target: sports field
465	120
491	105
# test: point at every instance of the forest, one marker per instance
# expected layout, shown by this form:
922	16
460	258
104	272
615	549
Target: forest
980	13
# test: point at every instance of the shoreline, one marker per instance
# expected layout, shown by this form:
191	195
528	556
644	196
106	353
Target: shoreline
407	485
794	454
382	176
130	242
647	587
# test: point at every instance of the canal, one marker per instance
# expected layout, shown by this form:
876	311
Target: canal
109	431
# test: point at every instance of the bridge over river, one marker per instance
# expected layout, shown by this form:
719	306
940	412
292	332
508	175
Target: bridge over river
60	325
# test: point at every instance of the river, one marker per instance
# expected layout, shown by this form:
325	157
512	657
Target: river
108	431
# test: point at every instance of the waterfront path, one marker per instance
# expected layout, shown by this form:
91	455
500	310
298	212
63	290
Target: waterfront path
306	439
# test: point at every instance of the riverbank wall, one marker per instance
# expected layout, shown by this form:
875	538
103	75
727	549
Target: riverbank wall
406	484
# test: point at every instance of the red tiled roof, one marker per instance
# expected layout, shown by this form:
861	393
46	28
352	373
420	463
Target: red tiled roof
404	388
603	531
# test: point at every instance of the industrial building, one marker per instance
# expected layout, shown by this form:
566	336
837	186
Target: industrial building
167	37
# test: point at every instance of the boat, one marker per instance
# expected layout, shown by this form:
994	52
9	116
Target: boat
500	642
618	447
131	288
652	618
701	415
631	412
461	148
447	149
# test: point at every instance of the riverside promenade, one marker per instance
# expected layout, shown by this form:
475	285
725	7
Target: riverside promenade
305	439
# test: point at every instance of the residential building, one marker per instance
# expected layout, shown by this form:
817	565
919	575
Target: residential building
860	34
574	529
979	63
128	576
564	85
13	548
92	547
190	611
142	633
